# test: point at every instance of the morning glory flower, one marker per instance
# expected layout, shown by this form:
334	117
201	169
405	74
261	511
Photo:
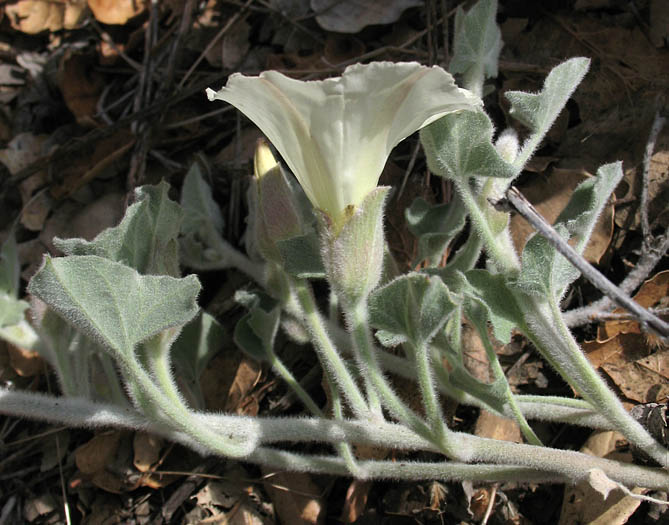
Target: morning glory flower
336	134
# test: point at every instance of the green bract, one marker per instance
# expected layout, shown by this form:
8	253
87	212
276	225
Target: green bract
336	134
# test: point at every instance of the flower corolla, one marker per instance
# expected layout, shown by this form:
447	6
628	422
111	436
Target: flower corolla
336	134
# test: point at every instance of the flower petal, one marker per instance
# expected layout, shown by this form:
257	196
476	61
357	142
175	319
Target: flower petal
336	134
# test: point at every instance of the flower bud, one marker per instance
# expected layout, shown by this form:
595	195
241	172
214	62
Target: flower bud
507	145
277	207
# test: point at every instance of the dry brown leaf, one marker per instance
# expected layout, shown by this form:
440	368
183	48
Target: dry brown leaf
104	458
247	376
351	16
342	48
35	16
146	449
582	503
492	426
81	85
90	163
629	357
227	382
654	292
36	211
639	383
115	11
356	500
297	499
550	195
23	150
24	362
288	62
235	45
620	348
94	455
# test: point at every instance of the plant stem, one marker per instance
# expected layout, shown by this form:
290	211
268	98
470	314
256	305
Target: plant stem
552	337
498	375
424	376
178	414
344	449
358	320
504	257
327	353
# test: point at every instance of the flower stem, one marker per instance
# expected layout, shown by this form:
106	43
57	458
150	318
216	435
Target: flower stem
326	350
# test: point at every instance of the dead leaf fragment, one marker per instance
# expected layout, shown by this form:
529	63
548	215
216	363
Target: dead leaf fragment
24	362
80	84
492	426
654	292
593	500
356	500
115	11
35	16
351	16
94	161
147	450
94	455
297	499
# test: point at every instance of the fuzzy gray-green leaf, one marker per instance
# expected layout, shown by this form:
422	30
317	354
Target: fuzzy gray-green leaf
146	238
544	271
587	202
491	292
538	111
198	204
435	226
112	303
477	40
459	146
412	307
197	343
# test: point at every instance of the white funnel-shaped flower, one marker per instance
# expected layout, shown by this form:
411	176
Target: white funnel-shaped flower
336	134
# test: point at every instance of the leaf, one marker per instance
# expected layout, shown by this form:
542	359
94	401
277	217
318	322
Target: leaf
492	293
587	202
301	256
146	238
197	343
198	204
112	303
478	39
435	226
412	307
544	270
35	16
115	11
351	16
538	111
459	146
549	196
11	308
10	269
256	331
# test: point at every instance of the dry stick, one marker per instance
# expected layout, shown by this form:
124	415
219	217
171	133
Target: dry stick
231	21
658	124
523	206
142	129
652	250
649	259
